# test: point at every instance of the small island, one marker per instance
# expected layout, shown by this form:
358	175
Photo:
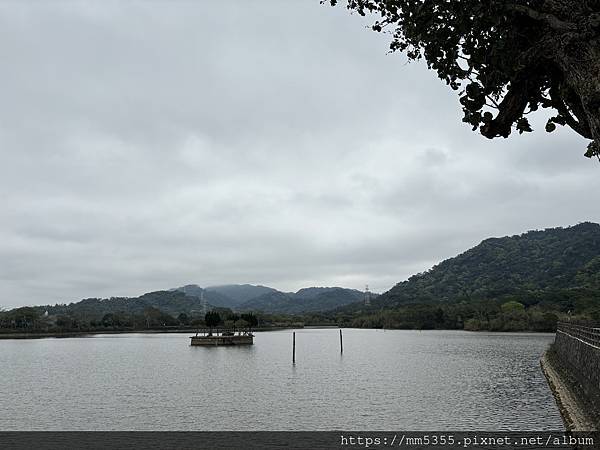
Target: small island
224	337
231	336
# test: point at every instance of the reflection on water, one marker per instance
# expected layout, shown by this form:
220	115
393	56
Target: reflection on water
385	380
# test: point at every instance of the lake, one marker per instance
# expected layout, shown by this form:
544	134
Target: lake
385	380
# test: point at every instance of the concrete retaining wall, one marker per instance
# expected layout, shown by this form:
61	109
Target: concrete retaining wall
577	351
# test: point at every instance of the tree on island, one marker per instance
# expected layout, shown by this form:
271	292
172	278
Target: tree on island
232	318
212	319
250	319
507	58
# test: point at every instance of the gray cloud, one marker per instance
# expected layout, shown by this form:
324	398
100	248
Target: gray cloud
149	144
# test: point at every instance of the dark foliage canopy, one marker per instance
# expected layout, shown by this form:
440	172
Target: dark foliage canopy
507	58
251	319
212	319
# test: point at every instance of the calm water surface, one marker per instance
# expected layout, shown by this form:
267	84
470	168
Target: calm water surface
385	380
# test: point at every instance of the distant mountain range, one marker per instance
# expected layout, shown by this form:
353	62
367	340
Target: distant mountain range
241	293
307	300
247	297
168	302
190	300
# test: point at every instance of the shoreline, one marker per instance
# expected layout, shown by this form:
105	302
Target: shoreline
90	333
68	334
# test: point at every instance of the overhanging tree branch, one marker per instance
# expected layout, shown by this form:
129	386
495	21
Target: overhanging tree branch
512	52
580	126
509	110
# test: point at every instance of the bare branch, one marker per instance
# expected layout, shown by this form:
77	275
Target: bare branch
494	102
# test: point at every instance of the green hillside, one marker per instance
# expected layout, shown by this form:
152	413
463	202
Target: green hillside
169	302
212	296
531	263
240	293
520	282
306	300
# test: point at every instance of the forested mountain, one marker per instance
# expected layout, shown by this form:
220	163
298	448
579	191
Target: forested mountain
270	301
312	292
533	262
248	297
314	299
522	282
169	302
213	297
152	310
179	307
240	293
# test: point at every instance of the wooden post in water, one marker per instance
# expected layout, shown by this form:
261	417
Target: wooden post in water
341	342
294	348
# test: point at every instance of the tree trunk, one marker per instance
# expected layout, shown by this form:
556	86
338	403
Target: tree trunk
581	68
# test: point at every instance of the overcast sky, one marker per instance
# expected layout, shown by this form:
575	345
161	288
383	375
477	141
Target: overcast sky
146	145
